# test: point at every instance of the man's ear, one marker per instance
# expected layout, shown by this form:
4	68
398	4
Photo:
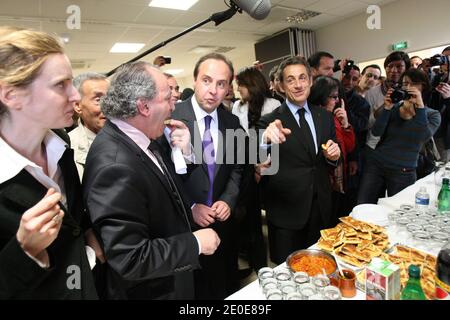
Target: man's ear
77	107
10	96
281	87
143	107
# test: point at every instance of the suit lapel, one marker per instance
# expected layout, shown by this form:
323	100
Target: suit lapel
26	191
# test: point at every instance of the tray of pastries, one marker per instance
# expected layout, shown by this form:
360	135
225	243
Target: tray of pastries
354	242
404	256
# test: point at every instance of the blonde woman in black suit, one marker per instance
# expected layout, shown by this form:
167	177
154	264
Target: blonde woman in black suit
42	244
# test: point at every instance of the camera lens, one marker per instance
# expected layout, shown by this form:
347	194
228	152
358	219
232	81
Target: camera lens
399	95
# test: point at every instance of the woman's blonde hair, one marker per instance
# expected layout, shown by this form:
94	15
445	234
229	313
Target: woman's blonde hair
22	53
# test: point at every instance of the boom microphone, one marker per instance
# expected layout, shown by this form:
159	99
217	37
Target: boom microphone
257	9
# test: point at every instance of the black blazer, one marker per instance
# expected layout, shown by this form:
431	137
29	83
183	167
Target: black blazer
150	249
21	277
288	194
227	176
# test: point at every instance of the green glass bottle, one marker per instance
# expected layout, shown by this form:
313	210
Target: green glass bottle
413	290
444	197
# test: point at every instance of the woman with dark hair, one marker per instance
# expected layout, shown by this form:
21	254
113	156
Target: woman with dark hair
255	97
403	128
255	102
328	93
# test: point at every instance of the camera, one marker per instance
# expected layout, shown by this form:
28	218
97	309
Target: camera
438	60
399	95
347	66
167	60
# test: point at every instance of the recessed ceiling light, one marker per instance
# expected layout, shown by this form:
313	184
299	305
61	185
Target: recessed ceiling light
172	4
122	47
174	71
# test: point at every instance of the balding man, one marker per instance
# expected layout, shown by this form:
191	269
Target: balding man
92	87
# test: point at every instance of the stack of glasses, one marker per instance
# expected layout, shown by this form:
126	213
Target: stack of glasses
282	284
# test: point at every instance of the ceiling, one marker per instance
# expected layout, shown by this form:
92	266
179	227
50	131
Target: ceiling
104	22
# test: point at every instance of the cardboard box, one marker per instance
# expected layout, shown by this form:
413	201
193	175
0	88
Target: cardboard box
382	280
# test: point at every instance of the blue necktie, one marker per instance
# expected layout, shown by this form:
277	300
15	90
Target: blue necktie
209	158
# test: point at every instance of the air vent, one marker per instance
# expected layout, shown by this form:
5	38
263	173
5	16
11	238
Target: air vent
81	63
301	16
209	49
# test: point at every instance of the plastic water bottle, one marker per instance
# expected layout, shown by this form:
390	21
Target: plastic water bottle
422	199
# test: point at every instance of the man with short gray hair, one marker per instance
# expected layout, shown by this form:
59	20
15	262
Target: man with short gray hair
132	194
92	87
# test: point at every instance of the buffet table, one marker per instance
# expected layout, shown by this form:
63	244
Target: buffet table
407	196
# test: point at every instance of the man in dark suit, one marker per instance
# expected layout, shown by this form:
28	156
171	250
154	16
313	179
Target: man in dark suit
213	184
133	196
298	196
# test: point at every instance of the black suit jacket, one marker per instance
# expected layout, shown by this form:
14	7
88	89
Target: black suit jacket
227	176
146	236
288	194
21	277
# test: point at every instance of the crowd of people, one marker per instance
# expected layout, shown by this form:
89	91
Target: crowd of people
128	188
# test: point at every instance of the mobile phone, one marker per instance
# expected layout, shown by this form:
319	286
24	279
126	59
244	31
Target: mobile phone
337	106
167	59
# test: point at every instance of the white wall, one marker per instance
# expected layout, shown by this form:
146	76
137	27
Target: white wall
424	24
238	63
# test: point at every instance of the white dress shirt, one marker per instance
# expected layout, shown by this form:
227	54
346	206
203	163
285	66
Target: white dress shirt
241	110
12	162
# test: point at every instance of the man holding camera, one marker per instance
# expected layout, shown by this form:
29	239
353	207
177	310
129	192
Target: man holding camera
440	100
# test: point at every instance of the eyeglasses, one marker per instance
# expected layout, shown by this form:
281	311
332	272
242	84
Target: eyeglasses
371	75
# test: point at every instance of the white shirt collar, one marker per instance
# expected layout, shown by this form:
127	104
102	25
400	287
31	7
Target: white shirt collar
12	162
200	113
89	134
294	108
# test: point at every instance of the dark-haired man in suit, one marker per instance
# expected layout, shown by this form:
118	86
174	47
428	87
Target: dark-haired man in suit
212	183
298	196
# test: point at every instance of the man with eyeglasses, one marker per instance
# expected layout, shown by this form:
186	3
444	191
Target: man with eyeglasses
370	77
92	87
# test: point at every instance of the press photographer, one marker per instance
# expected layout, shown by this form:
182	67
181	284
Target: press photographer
402	128
440	100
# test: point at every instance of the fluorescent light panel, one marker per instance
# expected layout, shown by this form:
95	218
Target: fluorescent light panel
122	47
172	4
174	71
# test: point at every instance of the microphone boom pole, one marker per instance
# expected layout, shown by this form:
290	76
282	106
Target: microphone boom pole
217	17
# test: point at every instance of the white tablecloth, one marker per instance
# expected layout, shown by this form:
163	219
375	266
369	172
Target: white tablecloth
407	196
